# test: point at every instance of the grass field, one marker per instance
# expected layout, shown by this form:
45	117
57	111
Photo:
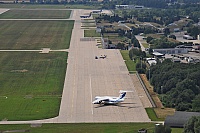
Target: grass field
177	130
32	83
35	34
131	65
83	128
36	14
48	6
91	33
31	6
152	115
146	45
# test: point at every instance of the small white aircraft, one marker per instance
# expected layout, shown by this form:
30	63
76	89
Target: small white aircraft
110	99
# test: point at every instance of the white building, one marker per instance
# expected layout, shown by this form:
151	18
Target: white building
188	37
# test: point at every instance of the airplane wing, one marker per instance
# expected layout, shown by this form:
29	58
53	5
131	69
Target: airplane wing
100	100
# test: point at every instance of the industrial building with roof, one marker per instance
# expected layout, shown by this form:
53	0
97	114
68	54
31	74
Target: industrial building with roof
172	51
179	118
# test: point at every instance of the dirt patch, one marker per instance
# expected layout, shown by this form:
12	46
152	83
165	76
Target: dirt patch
21	71
163	113
36	125
5	119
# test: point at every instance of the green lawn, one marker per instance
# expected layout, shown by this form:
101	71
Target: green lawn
35	34
91	6
36	14
91	33
84	128
177	130
152	115
146	45
131	65
32	6
50	6
32	83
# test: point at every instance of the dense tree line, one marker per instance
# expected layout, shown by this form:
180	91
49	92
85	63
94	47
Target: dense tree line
192	125
179	82
110	18
137	54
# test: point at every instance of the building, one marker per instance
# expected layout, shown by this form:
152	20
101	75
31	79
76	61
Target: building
151	61
128	7
157	54
188	37
172	51
179	118
176	29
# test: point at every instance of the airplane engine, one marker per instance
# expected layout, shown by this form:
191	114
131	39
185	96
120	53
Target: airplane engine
100	102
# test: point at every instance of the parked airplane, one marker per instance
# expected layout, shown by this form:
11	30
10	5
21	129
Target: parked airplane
110	99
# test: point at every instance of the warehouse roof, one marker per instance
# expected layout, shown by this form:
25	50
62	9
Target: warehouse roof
179	118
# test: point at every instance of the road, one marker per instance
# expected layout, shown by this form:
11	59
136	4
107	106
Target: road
141	40
87	77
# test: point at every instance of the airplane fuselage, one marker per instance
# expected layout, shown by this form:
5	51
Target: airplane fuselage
109	100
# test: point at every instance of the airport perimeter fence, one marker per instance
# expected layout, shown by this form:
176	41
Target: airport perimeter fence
146	91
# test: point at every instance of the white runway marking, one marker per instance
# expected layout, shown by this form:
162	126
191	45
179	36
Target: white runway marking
91	93
2	10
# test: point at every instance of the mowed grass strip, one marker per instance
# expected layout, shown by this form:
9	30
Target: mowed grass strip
36	14
31	6
32	83
84	128
35	34
131	65
51	6
91	33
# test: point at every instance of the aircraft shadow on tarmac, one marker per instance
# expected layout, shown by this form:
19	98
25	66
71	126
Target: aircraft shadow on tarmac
118	105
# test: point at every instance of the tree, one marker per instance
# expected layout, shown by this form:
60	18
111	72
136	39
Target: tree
149	38
166	31
162	129
150	50
195	104
121	32
120	46
172	36
194	31
192	125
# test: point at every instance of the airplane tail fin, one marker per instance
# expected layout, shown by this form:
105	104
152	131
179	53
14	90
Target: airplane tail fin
122	95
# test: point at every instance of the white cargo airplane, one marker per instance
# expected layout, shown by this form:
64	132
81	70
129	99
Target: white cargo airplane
110	99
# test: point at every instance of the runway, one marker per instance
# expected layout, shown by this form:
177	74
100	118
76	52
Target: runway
88	77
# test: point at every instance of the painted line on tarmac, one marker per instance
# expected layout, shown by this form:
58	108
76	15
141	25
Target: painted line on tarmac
91	94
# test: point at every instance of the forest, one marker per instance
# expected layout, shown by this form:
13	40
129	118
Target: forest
178	84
